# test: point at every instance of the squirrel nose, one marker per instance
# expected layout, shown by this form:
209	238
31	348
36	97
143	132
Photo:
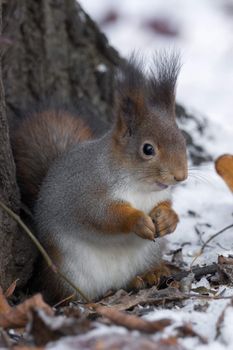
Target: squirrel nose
180	176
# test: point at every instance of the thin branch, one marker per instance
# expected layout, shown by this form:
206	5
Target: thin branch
215	235
209	240
42	251
197	270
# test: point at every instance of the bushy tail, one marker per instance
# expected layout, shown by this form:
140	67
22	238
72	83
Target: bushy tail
38	141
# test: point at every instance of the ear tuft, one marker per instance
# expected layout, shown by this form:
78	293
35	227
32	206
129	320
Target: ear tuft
131	90
163	78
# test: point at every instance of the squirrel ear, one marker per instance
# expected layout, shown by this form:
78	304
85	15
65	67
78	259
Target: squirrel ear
131	87
125	113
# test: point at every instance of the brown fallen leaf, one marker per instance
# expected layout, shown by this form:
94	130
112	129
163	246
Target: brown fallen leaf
225	269
43	328
224	167
4	306
10	290
17	316
122	300
132	322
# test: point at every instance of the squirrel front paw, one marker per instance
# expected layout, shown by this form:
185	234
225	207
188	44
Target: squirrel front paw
144	227
164	218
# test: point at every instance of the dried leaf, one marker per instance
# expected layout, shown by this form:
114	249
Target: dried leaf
45	328
10	290
204	291
132	322
17	316
224	167
225	269
122	300
4	306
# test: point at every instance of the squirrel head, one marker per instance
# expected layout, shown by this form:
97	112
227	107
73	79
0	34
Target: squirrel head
147	140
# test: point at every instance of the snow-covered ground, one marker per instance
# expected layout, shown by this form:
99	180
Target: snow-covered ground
202	31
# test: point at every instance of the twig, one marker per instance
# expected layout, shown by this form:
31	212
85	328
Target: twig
209	297
208	241
214	236
64	300
42	251
198	273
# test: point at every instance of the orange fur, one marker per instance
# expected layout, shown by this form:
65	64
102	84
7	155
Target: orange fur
150	278
126	219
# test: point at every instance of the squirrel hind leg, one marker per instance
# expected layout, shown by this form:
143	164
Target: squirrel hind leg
150	278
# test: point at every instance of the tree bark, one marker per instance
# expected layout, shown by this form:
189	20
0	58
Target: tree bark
15	249
55	56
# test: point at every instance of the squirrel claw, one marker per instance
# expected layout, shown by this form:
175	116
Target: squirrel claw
150	278
165	219
144	227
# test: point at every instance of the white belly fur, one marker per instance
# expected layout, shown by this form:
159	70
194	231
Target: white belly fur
112	262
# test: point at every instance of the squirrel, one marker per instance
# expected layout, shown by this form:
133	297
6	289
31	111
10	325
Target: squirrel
102	205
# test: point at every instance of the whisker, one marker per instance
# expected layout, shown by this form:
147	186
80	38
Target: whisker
199	178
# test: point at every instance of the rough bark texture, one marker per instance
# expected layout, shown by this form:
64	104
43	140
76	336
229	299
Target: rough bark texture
15	250
55	55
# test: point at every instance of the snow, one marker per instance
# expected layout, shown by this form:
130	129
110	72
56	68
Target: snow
205	42
205	84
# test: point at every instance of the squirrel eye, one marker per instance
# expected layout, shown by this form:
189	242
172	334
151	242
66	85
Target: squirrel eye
148	149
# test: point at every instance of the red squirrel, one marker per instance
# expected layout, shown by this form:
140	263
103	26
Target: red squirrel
102	206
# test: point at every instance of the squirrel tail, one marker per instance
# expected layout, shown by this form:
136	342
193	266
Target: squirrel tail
38	141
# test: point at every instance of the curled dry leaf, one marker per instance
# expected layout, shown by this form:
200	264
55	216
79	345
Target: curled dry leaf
17	316
4	306
132	322
224	167
10	290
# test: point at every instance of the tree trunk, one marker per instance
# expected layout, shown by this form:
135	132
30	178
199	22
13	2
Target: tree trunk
55	54
15	249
